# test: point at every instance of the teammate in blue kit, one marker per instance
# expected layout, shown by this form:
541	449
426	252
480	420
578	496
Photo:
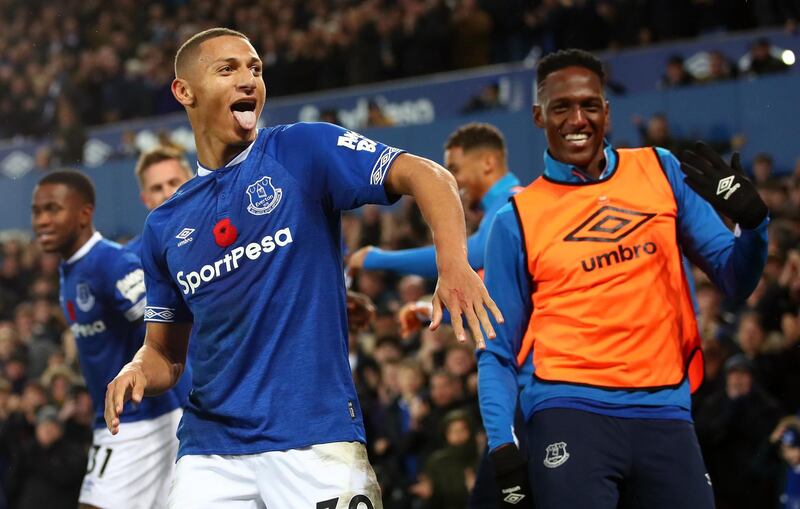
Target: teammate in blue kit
586	263
160	171
103	296
247	257
476	155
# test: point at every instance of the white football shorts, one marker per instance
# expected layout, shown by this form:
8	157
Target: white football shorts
134	468
324	476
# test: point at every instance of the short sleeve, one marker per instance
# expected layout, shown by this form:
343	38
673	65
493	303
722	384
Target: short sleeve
164	301
351	168
128	290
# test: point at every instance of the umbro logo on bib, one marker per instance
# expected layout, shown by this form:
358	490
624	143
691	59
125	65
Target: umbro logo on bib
609	224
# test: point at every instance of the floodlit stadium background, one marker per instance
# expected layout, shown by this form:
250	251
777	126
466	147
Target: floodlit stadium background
85	83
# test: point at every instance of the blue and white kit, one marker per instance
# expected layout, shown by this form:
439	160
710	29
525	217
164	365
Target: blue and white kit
250	254
103	297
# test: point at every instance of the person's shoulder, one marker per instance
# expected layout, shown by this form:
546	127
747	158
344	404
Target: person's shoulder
665	154
505	221
506	212
298	132
115	255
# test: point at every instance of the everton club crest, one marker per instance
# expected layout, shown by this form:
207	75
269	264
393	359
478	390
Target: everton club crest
264	197
84	297
556	455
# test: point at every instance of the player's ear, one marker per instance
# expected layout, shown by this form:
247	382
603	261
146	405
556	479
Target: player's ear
182	92
489	161
86	214
538	116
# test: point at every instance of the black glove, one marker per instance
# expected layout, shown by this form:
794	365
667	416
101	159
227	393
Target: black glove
511	473
724	187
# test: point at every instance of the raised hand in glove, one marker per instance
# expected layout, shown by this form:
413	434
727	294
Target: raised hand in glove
724	186
511	474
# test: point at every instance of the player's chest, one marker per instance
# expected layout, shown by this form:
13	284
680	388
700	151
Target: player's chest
242	223
83	306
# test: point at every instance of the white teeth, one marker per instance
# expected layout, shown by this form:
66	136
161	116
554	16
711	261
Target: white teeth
577	137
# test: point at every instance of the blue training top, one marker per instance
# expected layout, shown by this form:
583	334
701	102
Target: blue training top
422	260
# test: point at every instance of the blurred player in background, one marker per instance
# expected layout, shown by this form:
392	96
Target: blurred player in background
475	154
586	266
247	257
103	297
160	171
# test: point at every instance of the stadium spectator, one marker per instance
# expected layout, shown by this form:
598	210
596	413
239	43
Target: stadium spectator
376	117
655	132
487	99
675	74
762	169
49	468
449	473
761	60
472	27
115	62
731	427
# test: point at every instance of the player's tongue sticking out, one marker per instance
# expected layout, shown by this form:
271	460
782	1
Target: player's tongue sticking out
244	111
246	119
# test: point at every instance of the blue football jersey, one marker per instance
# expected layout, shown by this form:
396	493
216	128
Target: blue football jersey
103	296
251	254
135	245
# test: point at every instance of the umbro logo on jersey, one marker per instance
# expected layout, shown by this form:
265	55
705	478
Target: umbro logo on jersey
727	187
609	224
185	236
159	314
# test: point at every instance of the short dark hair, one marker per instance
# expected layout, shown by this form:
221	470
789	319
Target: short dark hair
73	179
569	58
476	135
191	44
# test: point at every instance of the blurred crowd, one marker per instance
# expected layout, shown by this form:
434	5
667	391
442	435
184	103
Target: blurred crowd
74	63
418	392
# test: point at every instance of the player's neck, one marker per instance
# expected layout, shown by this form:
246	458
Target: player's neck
596	167
80	241
214	154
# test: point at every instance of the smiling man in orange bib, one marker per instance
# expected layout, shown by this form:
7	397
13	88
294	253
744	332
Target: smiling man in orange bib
586	264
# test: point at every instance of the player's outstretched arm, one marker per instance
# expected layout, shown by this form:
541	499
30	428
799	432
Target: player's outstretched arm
155	368
459	288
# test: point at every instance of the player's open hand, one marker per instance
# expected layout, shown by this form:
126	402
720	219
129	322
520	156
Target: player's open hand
462	292
356	260
128	385
411	316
